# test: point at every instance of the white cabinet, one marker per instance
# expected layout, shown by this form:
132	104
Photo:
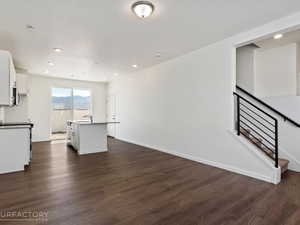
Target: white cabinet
7	79
15	150
22	84
75	136
89	138
2	114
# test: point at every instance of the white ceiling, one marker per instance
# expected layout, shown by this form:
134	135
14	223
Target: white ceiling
102	37
270	42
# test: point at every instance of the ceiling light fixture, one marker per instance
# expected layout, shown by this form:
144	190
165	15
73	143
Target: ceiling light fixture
142	9
57	49
134	66
278	36
50	63
29	27
116	74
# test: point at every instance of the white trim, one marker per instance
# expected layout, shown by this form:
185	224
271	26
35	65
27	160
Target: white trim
294	164
15	169
230	168
252	148
88	152
41	140
277	171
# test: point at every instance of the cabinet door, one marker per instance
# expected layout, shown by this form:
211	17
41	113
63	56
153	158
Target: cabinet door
13	81
5	95
12	74
14	155
22	84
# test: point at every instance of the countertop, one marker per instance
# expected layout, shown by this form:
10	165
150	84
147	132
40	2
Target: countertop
15	124
93	123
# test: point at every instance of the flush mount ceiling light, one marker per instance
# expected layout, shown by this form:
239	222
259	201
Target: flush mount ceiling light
143	9
134	66
278	36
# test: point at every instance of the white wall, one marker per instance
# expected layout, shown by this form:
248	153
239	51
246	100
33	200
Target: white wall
185	106
18	113
276	71
288	105
298	69
245	67
37	105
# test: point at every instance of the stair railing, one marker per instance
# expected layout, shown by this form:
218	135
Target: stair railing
286	118
258	126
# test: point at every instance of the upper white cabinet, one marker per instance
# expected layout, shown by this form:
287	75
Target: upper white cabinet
8	91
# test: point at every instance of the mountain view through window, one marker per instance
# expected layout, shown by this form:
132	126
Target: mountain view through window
69	104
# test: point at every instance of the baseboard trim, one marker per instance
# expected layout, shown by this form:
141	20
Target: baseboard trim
207	162
38	141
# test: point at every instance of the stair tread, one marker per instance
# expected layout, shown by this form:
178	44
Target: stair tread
267	150
256	140
283	162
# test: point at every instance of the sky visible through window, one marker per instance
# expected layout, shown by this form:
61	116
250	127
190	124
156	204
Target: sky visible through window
65	92
68	98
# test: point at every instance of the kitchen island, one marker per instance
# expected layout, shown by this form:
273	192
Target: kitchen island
87	137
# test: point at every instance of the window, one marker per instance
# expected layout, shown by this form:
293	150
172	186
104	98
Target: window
69	104
81	104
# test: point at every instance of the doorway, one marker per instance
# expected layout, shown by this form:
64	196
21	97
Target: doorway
68	104
111	115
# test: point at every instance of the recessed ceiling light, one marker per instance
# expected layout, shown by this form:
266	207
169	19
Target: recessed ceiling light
142	9
116	74
50	63
57	49
134	66
29	27
278	36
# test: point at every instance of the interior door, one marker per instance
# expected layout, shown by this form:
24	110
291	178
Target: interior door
111	115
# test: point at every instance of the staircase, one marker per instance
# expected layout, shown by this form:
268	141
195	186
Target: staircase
258	127
258	142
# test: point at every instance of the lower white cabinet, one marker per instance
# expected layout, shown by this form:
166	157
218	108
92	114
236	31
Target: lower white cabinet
88	138
75	136
15	149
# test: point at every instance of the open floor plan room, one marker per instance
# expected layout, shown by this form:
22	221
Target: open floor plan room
150	112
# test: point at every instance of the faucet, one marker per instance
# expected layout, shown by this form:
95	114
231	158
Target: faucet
89	116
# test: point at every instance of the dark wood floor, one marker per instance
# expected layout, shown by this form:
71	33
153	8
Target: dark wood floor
132	185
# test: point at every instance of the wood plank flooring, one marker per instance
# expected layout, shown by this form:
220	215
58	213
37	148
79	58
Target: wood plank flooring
133	185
